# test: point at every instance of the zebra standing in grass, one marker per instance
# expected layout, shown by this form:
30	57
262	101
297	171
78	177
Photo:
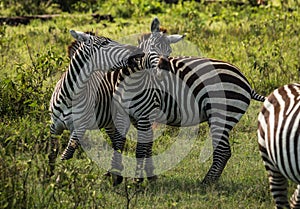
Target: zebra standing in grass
279	142
101	86
154	45
189	91
74	101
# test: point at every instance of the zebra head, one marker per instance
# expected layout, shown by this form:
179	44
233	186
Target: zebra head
157	44
103	53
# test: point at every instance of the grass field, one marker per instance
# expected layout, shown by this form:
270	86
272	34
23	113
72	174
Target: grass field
263	42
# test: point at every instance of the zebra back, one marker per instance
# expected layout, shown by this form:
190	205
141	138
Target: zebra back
176	64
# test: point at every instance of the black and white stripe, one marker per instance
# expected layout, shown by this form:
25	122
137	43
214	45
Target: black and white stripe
279	142
190	90
82	97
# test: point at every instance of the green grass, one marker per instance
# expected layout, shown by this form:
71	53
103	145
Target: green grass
262	41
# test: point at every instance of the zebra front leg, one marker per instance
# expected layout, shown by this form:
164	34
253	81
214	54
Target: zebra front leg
54	132
116	163
122	124
278	183
278	187
221	155
73	143
53	154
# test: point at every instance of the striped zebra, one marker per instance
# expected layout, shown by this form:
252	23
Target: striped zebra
279	142
191	90
76	98
101	86
154	45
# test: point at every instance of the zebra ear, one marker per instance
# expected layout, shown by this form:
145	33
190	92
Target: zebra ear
155	25
80	36
175	38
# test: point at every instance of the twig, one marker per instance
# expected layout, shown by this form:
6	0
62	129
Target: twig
29	52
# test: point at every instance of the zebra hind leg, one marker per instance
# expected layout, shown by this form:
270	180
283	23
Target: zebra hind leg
116	168
220	158
221	155
144	151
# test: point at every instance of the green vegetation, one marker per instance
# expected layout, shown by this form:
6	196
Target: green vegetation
263	41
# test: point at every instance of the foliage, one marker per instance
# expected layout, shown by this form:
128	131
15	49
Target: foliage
262	41
28	93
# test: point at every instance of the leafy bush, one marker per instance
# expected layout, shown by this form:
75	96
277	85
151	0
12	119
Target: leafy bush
29	92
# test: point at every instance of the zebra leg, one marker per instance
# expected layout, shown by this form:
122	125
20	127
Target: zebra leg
116	163
278	183
122	124
144	150
73	143
54	132
221	154
278	187
149	165
144	162
295	199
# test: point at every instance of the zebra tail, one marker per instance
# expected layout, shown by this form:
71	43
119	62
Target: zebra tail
257	97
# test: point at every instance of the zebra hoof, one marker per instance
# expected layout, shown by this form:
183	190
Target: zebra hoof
116	179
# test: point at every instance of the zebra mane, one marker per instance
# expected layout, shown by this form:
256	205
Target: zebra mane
164	64
146	36
72	48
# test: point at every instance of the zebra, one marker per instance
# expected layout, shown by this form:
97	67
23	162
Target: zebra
73	103
279	142
191	90
154	45
101	86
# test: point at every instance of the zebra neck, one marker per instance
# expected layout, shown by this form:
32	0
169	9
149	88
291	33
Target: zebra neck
76	78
